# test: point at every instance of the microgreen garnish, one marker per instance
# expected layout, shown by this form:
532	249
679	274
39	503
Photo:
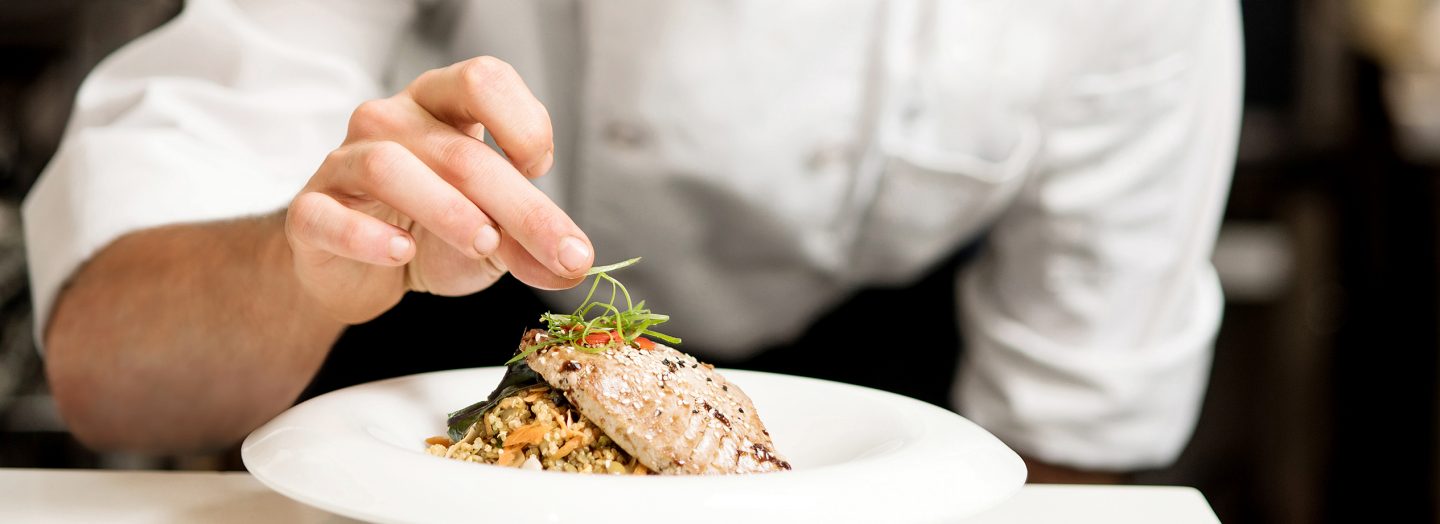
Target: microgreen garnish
596	326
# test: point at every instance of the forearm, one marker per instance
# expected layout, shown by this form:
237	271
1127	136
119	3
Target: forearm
184	337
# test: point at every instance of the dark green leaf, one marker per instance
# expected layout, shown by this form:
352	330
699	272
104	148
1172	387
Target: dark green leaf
517	377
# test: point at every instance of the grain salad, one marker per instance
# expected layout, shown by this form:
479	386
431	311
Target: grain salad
538	429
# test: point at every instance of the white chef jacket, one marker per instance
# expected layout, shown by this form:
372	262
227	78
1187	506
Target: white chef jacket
766	158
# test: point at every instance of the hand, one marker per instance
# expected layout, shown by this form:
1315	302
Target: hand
414	200
1046	473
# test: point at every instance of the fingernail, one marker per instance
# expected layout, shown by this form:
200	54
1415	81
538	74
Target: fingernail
542	167
574	254
487	240
399	247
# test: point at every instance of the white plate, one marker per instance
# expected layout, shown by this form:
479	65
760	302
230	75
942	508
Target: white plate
860	455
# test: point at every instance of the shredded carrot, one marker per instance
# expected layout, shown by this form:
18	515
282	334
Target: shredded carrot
441	440
508	456
527	434
569	446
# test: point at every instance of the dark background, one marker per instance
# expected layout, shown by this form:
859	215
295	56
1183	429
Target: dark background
1322	406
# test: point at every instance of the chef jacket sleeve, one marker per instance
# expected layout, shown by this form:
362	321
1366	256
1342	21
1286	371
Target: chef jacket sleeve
223	112
1090	315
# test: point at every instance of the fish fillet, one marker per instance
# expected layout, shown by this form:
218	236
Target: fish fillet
674	414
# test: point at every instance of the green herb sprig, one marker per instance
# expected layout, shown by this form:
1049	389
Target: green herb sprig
628	324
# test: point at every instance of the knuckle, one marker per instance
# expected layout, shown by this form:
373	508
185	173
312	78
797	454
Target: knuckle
424	78
336	157
459	155
379	163
539	221
536	139
467	162
455	216
352	237
473	167
302	219
372	118
485	71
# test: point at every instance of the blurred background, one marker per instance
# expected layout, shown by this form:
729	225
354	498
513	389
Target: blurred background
1323	402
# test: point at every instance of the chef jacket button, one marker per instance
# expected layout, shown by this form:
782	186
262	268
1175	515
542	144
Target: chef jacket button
625	135
910	112
829	157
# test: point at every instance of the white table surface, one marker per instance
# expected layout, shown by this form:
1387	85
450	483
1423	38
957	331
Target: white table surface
35	495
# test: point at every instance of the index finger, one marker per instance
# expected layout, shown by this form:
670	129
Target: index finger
488	91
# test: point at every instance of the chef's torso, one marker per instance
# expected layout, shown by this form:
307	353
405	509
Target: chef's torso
769	157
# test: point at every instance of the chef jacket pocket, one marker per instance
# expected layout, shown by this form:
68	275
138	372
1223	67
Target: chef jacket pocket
930	198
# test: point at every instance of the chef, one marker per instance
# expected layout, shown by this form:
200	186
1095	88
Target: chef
243	187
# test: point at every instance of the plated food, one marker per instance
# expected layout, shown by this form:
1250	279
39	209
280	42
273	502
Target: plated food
595	393
860	455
